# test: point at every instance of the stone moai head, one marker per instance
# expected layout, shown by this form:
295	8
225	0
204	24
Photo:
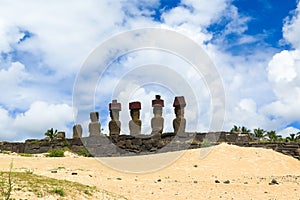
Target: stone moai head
77	131
157	105
94	116
179	105
135	108
114	109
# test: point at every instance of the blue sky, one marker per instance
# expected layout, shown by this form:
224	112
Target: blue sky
254	45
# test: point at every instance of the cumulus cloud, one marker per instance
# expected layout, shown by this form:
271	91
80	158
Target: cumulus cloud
33	123
291	28
284	74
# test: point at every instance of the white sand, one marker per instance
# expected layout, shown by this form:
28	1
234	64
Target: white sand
192	176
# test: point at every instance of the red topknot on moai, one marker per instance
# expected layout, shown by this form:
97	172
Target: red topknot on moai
114	124
179	122
135	125
157	122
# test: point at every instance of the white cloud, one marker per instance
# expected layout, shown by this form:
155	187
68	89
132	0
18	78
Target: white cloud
33	123
282	67
284	74
287	131
291	28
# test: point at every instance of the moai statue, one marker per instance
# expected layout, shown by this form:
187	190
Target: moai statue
77	131
135	125
61	135
114	124
157	122
94	125
179	122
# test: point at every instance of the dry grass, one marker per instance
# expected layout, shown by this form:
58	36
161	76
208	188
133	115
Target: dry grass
31	186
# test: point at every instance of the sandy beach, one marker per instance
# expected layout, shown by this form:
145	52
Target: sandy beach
222	172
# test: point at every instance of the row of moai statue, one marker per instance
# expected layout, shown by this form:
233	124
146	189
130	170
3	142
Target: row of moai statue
135	124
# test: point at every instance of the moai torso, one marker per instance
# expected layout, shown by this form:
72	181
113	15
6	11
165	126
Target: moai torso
77	131
94	125
135	124
179	123
114	124
157	122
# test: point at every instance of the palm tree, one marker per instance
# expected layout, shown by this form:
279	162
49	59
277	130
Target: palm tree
272	136
51	133
291	138
298	136
236	129
259	133
245	130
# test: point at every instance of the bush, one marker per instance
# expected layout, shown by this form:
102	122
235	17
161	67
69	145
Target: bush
206	143
84	152
56	153
59	192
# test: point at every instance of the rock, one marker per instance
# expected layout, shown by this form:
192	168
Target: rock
217	181
273	182
74	173
226	182
119	179
53	171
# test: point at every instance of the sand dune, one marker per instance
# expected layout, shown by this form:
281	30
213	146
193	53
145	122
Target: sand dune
192	174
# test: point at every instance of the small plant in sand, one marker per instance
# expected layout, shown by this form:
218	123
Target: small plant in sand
6	183
206	143
84	152
56	153
59	191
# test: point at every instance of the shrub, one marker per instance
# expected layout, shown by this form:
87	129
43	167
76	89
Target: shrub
59	192
55	153
206	143
84	152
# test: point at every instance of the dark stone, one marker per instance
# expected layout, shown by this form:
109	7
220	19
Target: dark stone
226	182
273	182
217	181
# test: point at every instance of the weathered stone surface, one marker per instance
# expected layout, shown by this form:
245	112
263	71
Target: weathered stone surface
179	123
126	145
157	122
77	131
94	128
94	125
61	135
135	124
114	124
94	116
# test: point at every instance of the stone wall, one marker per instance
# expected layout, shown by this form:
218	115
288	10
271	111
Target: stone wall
126	145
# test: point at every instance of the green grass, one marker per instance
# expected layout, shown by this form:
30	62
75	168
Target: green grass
56	153
206	143
41	186
84	152
26	154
